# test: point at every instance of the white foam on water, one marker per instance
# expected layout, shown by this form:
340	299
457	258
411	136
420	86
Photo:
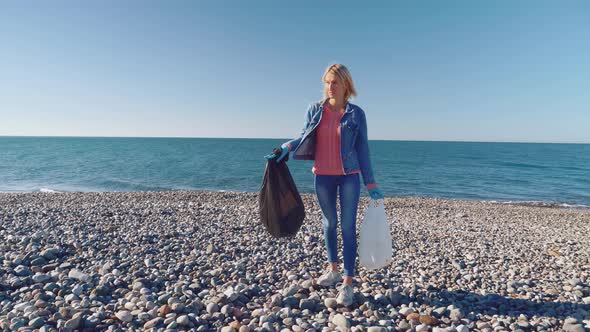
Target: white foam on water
575	206
47	190
541	204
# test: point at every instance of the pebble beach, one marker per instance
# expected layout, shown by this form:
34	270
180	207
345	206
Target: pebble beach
202	261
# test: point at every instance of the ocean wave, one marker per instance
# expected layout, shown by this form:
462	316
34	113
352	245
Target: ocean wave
47	190
542	204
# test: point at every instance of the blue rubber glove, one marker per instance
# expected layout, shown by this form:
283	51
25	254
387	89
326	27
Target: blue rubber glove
375	193
284	152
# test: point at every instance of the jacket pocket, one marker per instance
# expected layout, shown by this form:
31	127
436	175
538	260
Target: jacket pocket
350	125
350	129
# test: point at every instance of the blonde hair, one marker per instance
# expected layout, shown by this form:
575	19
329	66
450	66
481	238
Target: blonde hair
343	75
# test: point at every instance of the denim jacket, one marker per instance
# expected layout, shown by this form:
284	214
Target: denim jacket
354	144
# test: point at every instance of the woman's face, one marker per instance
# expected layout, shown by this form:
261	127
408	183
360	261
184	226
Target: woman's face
334	88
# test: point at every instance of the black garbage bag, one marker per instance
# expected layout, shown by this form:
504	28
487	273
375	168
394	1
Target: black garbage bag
281	208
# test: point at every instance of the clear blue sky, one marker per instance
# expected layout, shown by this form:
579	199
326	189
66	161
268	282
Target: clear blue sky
424	70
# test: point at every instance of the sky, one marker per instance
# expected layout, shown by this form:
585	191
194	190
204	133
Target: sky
503	71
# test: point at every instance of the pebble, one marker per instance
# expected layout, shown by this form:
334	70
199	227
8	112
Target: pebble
376	329
406	311
203	261
341	321
78	275
462	328
183	320
36	323
124	316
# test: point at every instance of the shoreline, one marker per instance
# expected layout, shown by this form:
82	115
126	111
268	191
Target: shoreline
531	203
202	261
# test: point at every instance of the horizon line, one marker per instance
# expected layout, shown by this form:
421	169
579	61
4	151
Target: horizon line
192	137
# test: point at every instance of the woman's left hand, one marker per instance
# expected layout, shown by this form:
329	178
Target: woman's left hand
284	151
375	193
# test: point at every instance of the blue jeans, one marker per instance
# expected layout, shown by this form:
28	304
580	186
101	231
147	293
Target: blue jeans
327	188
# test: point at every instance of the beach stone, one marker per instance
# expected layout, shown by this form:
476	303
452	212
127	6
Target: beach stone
21	306
428	320
574	282
462	328
142	316
257	312
376	329
385	322
307	283
41	278
422	328
330	302
124	316
78	275
212	308
163	299
50	286
71	297
382	299
456	314
290	291
395	299
77	290
183	320
403	325
39	261
36	323
235	325
573	327
523	324
406	311
50	253
130	306
16	324
137	285
341	321
439	312
22	271
73	323
291	302
165	310
483	325
307	304
177	307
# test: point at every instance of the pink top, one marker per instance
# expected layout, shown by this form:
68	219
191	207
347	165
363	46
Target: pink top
328	159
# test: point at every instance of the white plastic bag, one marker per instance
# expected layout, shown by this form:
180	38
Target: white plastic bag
375	247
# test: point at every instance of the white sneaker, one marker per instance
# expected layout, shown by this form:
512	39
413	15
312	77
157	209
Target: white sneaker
329	278
345	295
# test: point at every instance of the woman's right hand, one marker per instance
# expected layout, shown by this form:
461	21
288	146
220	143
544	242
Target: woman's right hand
284	152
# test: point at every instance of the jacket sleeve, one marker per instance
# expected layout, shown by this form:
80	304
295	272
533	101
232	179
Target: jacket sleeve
294	143
362	150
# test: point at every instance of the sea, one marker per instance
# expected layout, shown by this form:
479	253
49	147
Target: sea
522	173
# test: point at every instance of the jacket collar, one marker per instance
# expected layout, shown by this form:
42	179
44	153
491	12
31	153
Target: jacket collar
349	107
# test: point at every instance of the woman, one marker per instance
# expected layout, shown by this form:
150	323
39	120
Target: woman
334	135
